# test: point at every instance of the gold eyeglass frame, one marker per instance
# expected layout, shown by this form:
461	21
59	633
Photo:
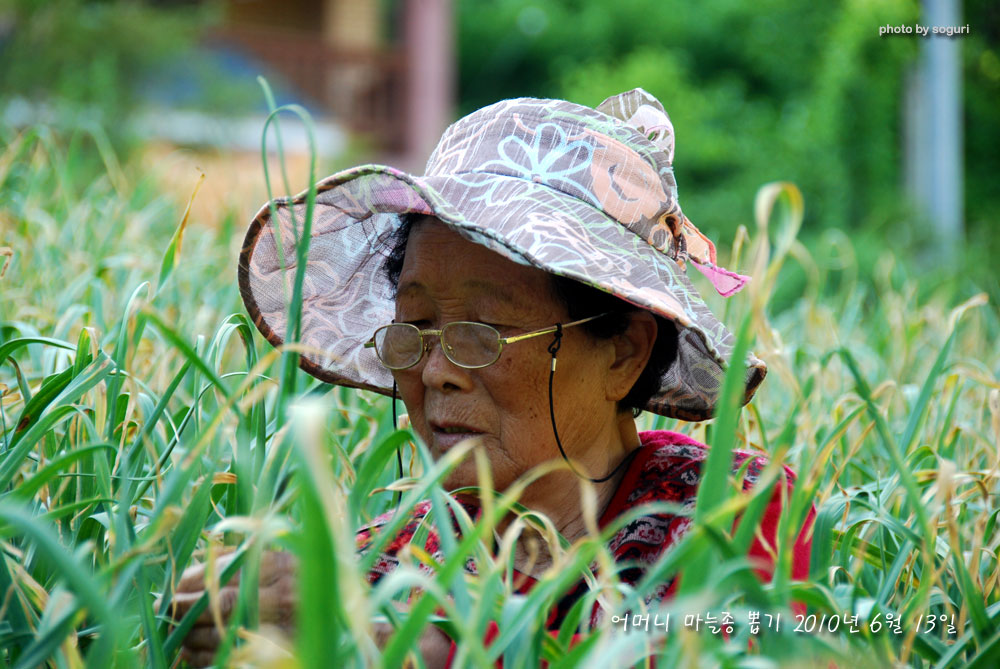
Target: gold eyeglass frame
503	341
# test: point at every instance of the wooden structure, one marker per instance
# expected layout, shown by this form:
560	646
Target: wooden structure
384	71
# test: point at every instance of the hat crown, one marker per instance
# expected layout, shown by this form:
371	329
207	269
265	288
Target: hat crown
582	152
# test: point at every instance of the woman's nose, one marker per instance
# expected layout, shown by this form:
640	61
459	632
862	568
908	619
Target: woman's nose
440	372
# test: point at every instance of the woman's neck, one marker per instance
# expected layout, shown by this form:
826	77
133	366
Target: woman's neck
559	496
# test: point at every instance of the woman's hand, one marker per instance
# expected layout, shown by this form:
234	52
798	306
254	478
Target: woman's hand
434	645
277	600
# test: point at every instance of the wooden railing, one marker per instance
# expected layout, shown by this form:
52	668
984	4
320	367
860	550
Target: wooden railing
363	90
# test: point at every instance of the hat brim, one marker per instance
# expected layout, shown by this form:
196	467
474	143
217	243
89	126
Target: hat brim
346	294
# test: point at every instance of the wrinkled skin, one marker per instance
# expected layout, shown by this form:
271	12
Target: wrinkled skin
277	599
504	406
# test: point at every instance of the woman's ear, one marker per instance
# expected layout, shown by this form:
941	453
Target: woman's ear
632	351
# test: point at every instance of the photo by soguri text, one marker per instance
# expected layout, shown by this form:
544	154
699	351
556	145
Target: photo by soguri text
923	30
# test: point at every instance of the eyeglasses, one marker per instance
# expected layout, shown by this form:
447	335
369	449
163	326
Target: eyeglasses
465	343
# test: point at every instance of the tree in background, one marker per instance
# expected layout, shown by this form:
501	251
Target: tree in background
779	89
96	61
981	92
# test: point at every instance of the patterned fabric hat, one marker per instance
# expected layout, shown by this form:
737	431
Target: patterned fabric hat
584	193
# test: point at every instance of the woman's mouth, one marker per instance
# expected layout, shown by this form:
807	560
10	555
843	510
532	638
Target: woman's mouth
447	435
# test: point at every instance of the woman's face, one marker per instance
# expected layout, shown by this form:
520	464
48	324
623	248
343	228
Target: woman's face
447	278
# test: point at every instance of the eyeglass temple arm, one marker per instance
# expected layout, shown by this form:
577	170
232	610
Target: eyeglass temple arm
536	333
510	340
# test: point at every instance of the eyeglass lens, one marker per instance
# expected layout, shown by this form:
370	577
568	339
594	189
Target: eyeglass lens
400	345
471	344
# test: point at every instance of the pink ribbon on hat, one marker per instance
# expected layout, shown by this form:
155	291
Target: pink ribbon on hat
700	250
726	283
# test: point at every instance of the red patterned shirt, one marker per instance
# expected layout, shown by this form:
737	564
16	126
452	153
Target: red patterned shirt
666	468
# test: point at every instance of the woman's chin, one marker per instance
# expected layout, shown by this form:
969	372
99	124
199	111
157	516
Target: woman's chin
463	475
440	445
466	475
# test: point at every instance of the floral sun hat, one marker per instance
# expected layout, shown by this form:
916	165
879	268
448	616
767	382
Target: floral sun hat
584	193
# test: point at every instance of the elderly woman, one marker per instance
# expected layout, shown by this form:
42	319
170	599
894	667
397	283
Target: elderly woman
529	292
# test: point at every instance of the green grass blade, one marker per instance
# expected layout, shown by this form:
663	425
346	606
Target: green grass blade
919	409
15	613
121	351
76	575
172	255
46	644
715	470
718	464
8	348
373	463
35	407
60	407
913	497
988	654
47	474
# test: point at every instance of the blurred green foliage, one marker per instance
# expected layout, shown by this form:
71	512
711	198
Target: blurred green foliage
981	89
92	62
92	53
772	90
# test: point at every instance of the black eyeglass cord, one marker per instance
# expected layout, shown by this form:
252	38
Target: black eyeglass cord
553	350
399	449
